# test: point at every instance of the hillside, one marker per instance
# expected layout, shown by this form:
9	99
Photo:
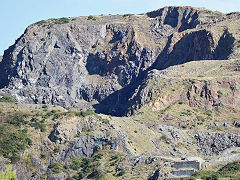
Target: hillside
149	96
65	61
155	136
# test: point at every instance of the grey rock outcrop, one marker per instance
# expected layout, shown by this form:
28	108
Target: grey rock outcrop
216	142
105	60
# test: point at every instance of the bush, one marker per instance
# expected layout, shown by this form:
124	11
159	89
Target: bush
44	106
75	163
37	124
8	174
13	143
94	46
7	99
230	170
186	113
91	18
43	156
220	94
87	113
208	113
87	165
17	120
180	102
127	15
200	118
121	173
71	178
61	21
56	168
235	166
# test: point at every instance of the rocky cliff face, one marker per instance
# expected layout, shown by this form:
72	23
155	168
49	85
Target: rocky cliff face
104	58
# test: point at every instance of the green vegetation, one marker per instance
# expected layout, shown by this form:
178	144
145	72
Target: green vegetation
180	102
94	46
38	124
44	106
8	174
27	161
49	23
208	113
42	22
127	15
200	118
91	18
188	113
44	156
56	168
231	171
86	167
7	99
121	173
13	142
220	94
87	113
61	21
18	120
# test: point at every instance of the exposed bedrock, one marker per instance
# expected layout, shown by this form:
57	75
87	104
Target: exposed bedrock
107	59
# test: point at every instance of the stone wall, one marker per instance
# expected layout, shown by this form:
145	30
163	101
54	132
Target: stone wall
187	164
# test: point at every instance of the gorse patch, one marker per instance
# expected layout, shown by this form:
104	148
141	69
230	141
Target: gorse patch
7	99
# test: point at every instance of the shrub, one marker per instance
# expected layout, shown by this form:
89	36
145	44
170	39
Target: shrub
8	174
42	22
43	156
180	102
121	173
86	167
220	94
200	118
17	120
94	46
115	157
230	170
56	168
7	99
37	124
61	21
12	144
75	163
91	18
207	175
208	113
127	15
188	113
87	113
231	167
44	106
71	178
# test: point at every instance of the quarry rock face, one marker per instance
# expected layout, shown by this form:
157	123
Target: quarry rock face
105	58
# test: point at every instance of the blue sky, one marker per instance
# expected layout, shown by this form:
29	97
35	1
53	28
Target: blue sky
16	15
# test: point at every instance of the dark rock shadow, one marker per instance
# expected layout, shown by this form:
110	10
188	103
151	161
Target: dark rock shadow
225	46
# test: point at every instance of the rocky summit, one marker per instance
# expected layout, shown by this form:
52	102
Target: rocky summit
136	96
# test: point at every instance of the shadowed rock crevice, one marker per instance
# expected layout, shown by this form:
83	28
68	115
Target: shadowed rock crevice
225	46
